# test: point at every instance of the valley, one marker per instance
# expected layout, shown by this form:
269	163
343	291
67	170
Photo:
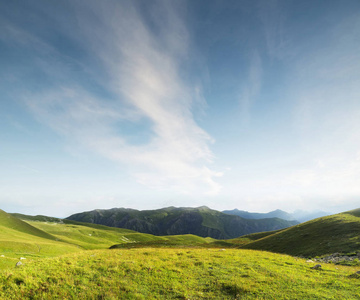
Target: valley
66	259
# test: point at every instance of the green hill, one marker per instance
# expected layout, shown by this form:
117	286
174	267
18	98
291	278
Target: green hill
10	222
175	269
34	238
20	239
201	221
326	235
94	236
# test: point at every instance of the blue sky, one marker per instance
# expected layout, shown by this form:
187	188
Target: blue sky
252	105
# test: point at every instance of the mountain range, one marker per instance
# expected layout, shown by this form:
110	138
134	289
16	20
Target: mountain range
298	215
47	236
201	221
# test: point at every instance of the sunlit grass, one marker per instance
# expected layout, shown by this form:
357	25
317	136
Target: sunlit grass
59	263
326	235
149	273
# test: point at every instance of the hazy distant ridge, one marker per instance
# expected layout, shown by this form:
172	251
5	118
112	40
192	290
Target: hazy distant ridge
299	215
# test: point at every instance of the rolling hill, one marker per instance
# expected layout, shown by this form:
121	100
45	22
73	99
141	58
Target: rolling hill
174	267
33	235
18	238
325	235
37	237
201	221
15	224
94	236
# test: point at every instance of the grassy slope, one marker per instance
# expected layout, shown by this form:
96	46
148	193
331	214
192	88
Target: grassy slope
246	239
34	238
11	222
172	241
326	235
170	273
177	274
93	236
90	236
18	238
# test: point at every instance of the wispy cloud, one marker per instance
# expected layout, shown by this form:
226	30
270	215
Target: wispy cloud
142	62
252	86
273	20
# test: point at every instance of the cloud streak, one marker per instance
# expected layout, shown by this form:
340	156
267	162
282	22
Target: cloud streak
252	87
143	66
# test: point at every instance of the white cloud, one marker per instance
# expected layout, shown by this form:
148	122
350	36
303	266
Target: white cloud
143	73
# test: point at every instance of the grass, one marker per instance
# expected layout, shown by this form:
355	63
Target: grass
7	221
177	274
71	260
20	239
102	237
37	238
326	235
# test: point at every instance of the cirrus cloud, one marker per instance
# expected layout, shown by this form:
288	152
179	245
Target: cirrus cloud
143	76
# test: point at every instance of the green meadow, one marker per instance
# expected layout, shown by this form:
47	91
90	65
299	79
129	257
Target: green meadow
330	234
149	273
72	260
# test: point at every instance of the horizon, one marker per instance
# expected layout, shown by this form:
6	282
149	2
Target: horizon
298	211
146	104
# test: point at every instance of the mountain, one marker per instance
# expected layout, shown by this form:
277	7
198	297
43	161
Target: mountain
201	221
325	235
298	215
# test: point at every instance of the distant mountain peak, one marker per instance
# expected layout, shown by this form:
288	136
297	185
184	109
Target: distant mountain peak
299	215
201	221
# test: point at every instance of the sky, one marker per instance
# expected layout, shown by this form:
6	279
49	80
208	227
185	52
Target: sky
241	104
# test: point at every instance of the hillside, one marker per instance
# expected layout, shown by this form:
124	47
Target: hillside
33	238
200	221
18	238
10	222
181	266
93	236
325	235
